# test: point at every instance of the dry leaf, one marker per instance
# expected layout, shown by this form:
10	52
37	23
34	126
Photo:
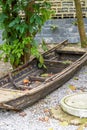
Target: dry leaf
76	78
46	110
37	82
81	127
25	81
85	124
64	123
50	129
72	87
44	119
22	114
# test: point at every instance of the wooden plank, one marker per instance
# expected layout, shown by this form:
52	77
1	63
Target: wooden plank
59	45
7	95
54	62
33	78
70	50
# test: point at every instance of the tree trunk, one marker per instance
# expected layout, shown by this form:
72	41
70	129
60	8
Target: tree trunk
80	21
28	13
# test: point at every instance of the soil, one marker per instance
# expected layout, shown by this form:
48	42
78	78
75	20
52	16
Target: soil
4	68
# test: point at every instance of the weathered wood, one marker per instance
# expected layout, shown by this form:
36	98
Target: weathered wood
49	85
55	62
70	51
8	94
32	78
38	87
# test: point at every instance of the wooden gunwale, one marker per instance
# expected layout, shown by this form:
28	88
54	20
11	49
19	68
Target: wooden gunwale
69	51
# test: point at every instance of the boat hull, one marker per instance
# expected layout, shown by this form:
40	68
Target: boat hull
25	98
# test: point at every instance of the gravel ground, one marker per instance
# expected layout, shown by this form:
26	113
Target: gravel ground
32	118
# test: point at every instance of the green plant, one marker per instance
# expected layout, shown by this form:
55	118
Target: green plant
18	33
67	62
53	27
75	23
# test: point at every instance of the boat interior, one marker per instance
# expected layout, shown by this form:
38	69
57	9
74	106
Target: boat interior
30	75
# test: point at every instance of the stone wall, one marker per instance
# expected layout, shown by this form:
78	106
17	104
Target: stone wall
56	30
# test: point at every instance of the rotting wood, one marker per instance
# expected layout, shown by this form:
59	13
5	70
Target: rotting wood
54	62
59	45
32	78
69	51
18	99
5	106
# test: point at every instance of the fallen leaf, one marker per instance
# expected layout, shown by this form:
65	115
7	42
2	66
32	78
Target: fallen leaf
81	127
50	74
44	119
67	62
22	114
46	75
85	124
64	123
46	110
72	87
76	78
50	128
25	81
37	82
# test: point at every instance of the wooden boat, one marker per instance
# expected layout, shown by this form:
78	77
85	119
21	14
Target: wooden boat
27	84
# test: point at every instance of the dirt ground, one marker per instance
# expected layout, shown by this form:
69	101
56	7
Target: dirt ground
4	68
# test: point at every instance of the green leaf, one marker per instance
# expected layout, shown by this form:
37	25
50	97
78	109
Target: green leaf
44	75
6	59
39	65
32	19
64	123
41	59
17	29
12	59
14	22
76	78
31	29
3	16
44	46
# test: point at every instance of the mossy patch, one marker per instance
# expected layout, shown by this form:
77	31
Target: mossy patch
62	116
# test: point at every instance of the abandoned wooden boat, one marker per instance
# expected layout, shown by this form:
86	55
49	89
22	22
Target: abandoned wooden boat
27	84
